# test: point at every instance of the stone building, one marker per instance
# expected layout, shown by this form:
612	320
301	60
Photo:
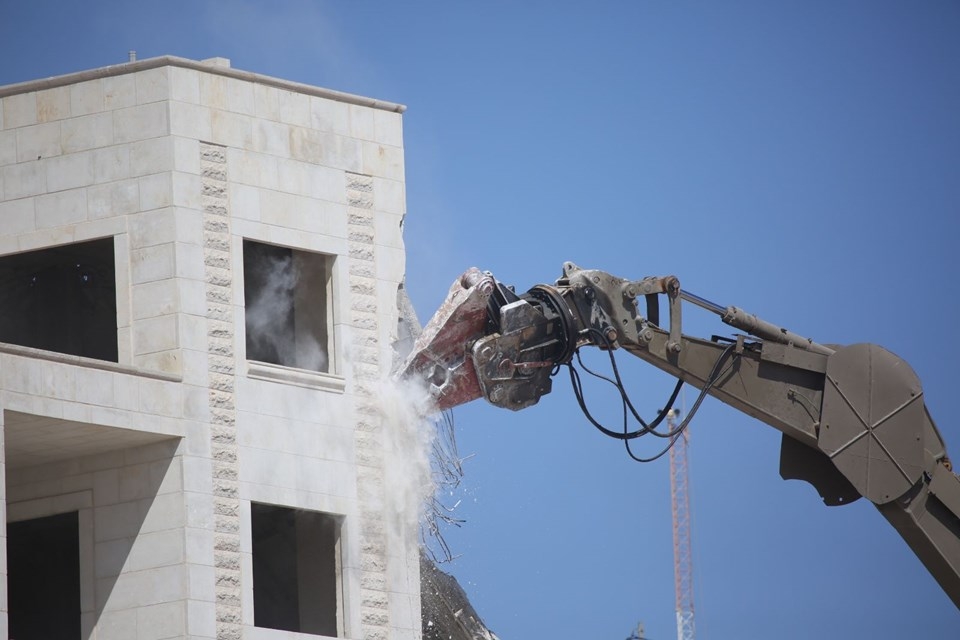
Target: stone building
199	270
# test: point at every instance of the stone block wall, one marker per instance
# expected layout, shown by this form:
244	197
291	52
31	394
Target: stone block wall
180	162
132	547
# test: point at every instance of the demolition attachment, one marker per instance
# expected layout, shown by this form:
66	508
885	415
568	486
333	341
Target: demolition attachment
487	341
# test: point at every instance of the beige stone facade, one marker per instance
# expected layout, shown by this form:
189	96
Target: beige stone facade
173	455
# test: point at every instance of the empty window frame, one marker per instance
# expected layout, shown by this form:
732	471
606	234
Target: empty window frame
296	570
43	578
61	299
289	315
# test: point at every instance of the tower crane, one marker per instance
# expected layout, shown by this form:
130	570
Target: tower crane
682	551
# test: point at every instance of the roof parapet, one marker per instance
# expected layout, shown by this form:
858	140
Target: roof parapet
218	66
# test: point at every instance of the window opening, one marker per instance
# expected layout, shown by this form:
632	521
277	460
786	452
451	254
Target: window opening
288	312
61	299
43	578
296	570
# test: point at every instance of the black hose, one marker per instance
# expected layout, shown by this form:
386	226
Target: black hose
628	408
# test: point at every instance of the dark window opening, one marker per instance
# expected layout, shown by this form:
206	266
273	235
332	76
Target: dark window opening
61	299
43	578
296	570
288	315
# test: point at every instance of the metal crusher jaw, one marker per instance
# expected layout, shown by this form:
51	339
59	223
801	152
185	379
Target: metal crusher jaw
441	356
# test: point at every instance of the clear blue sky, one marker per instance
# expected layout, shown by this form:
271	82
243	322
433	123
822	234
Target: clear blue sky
798	159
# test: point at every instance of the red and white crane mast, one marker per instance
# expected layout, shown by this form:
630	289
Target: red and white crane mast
682	552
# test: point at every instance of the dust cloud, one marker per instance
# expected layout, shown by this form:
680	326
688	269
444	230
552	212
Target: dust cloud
408	414
421	467
270	297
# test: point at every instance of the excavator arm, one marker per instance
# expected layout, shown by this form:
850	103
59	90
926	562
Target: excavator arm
852	418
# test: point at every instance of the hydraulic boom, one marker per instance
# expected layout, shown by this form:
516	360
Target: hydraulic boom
853	418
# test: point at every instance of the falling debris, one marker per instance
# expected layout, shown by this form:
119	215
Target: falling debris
446	612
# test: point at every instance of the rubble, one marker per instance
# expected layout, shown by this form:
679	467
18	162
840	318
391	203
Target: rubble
445	609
